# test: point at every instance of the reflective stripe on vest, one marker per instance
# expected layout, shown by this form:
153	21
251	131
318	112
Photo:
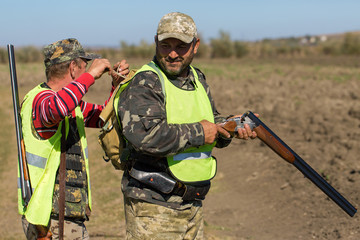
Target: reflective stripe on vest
39	162
43	162
35	160
192	156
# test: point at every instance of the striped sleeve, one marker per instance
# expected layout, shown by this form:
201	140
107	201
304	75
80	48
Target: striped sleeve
49	107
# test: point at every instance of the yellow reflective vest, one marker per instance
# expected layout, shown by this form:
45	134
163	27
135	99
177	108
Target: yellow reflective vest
43	156
195	164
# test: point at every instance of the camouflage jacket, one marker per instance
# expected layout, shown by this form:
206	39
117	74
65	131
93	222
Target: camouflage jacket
143	116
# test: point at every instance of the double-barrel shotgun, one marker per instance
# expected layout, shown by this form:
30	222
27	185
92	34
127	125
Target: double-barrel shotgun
278	146
24	180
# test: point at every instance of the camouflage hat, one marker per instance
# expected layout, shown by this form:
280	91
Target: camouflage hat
65	50
177	25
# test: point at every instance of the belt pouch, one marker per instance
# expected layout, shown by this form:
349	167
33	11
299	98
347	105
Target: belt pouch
160	181
196	192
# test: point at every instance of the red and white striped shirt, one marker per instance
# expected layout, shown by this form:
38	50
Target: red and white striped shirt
50	108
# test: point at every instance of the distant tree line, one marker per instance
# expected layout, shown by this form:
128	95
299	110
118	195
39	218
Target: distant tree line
224	47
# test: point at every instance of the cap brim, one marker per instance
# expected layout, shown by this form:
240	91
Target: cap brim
181	37
90	56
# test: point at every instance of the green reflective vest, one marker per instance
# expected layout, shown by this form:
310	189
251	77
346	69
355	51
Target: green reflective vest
43	156
183	106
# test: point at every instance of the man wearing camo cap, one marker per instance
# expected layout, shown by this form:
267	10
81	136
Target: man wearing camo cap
169	120
50	109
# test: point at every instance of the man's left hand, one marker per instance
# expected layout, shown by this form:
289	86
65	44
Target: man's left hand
245	133
119	72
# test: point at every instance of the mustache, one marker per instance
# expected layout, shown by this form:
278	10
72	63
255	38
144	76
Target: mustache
171	60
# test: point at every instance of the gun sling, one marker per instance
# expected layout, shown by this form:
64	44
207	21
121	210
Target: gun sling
62	179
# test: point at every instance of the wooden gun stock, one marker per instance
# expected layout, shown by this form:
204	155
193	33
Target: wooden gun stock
23	154
274	144
284	151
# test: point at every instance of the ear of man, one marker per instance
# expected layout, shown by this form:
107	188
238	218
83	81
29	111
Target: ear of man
72	66
197	43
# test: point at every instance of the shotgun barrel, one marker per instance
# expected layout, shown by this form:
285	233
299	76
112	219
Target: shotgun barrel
24	182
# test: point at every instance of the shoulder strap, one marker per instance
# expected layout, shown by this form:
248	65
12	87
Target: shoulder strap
161	76
108	111
62	177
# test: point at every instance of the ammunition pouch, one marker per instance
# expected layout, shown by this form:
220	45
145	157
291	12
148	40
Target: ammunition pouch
196	192
76	188
164	183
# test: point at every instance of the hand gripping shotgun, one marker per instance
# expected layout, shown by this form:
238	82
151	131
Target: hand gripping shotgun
284	151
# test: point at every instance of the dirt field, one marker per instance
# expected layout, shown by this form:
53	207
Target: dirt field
311	104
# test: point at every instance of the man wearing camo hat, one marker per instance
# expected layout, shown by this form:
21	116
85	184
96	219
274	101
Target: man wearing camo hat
169	120
50	109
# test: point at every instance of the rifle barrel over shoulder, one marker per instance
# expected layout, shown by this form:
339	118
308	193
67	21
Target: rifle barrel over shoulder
25	185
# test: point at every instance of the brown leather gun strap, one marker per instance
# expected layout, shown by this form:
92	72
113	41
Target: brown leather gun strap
62	170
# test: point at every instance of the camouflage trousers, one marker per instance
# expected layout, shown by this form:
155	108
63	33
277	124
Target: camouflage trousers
72	230
150	221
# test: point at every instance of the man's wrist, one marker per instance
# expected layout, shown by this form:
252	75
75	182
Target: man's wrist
197	136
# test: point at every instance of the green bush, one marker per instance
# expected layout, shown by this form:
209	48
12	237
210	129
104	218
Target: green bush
221	47
3	55
204	49
266	50
240	49
351	44
330	50
109	53
144	50
26	54
29	54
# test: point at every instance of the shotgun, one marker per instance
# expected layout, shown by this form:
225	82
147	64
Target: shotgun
278	146
25	185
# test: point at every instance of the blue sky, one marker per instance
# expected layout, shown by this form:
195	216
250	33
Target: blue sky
107	22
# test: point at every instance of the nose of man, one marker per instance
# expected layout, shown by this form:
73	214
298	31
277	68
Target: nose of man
173	54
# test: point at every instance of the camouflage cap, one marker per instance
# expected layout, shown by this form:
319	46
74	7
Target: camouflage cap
177	25
65	50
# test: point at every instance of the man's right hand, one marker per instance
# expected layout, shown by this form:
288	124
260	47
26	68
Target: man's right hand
212	130
98	67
